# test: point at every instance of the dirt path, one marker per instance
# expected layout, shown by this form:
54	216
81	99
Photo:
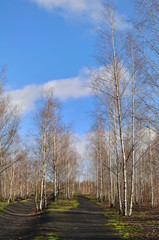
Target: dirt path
83	223
17	221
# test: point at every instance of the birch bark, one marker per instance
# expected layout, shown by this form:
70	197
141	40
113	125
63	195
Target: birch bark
133	142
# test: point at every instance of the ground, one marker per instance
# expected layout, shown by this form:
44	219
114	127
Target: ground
79	219
18	221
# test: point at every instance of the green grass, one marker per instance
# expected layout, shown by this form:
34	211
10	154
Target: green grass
48	236
90	197
62	205
26	200
2	205
123	226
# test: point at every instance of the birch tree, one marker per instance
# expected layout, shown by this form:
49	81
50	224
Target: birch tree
9	122
127	72
147	43
112	82
44	121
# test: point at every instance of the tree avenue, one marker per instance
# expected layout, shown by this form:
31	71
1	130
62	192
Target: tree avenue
121	157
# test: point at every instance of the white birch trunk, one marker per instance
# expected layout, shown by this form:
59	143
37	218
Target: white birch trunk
12	175
125	210
97	178
116	82
55	157
43	180
68	179
118	165
101	179
133	143
151	169
41	194
110	166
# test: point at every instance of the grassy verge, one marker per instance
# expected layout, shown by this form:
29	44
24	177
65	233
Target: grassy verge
2	205
62	205
143	224
124	226
5	203
48	236
26	200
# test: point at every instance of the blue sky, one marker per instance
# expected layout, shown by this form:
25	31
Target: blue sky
51	43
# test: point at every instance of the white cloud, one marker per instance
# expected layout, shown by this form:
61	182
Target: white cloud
90	9
68	88
65	4
63	89
80	144
81	7
25	97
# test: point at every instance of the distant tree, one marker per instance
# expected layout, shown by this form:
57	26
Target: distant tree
9	122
